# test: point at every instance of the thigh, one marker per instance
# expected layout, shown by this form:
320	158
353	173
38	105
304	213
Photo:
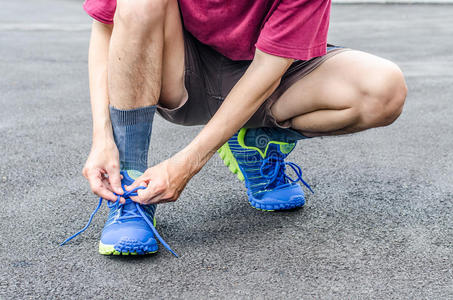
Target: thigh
340	82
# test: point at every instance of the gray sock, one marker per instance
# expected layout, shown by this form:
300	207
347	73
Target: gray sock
132	131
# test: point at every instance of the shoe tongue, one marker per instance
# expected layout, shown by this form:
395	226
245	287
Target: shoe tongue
272	164
129	176
133	174
129	208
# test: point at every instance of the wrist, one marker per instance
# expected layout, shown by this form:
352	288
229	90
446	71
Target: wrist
104	146
103	139
102	131
191	159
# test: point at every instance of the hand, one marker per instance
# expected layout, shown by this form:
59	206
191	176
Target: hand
103	171
164	182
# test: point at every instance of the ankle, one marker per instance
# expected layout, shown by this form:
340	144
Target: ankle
132	130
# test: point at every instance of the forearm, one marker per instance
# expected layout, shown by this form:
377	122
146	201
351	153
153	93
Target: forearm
256	85
97	65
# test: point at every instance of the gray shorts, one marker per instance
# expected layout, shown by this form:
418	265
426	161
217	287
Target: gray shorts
209	77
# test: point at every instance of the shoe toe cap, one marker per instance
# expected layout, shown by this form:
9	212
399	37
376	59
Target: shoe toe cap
285	198
127	234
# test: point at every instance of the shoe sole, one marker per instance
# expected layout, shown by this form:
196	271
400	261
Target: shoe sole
105	249
276	207
110	250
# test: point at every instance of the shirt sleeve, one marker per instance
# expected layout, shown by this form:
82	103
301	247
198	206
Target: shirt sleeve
296	29
101	10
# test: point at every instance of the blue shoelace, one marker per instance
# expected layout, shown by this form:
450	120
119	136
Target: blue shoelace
128	214
279	167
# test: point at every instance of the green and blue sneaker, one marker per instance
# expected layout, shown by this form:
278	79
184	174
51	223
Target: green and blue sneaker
263	169
129	229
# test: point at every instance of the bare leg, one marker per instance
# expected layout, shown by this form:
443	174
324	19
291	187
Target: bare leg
146	58
173	91
350	92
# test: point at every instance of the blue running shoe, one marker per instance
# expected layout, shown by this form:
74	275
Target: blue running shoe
269	188
129	229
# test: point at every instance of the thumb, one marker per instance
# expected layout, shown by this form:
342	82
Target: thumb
115	181
140	181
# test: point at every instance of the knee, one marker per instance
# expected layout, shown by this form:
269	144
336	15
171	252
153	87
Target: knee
383	96
140	15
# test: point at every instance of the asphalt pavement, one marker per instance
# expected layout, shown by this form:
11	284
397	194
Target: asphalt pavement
379	225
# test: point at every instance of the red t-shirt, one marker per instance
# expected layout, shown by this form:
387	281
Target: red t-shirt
287	28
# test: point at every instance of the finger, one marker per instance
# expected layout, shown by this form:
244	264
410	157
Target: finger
129	188
107	185
115	180
140	181
158	199
98	187
136	198
143	196
164	198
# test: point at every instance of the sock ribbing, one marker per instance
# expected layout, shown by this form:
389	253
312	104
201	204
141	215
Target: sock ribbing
132	131
132	116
